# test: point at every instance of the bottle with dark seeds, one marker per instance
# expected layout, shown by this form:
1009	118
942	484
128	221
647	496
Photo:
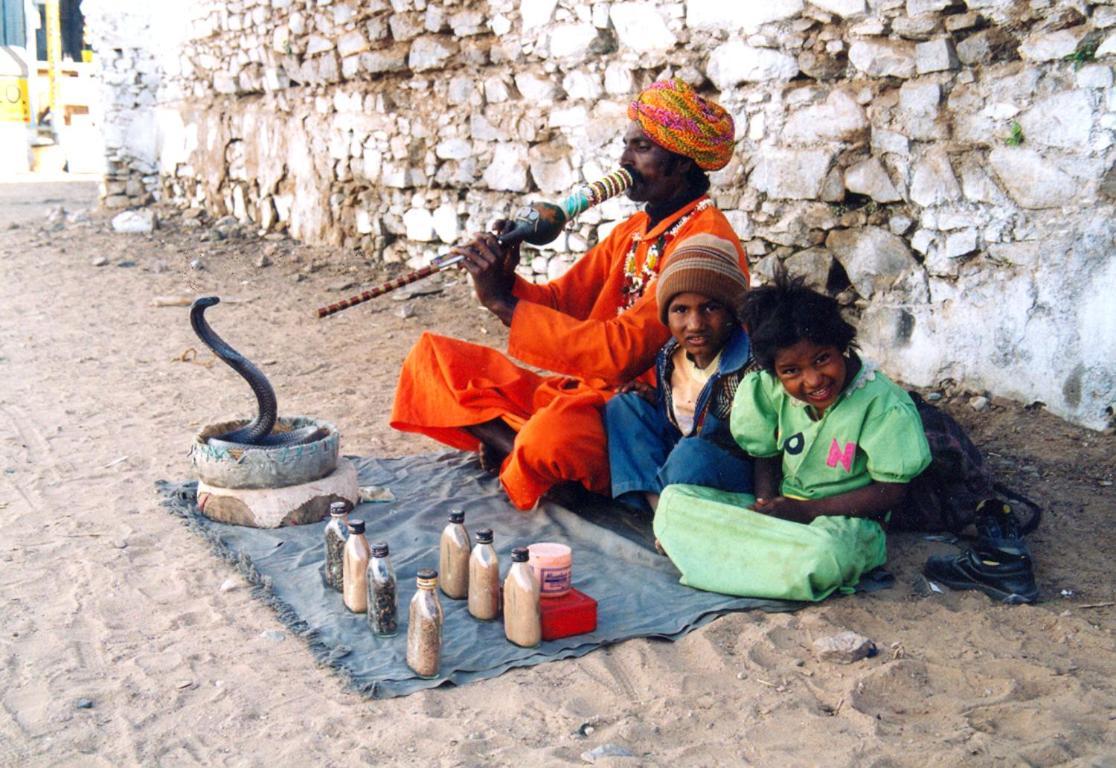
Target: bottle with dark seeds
382	609
336	533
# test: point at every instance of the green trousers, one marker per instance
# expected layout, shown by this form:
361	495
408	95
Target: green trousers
720	545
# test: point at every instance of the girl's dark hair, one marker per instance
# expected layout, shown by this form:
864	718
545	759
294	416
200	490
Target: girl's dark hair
785	312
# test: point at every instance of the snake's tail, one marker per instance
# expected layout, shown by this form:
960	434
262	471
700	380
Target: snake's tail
261	426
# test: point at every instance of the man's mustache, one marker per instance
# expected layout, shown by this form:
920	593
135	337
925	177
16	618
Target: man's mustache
636	178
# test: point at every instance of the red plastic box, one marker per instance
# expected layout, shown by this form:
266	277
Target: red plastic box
574	613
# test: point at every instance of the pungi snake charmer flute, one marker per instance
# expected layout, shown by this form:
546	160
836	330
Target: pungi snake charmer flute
537	224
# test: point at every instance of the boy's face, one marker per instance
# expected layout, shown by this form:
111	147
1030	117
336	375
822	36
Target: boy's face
701	325
812	373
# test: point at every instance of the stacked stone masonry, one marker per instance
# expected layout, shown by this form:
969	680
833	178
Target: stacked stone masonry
945	167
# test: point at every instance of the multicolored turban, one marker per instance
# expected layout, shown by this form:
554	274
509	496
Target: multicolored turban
678	119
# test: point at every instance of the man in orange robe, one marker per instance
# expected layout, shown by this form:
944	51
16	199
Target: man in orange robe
597	326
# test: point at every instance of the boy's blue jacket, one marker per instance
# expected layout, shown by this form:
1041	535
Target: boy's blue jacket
715	401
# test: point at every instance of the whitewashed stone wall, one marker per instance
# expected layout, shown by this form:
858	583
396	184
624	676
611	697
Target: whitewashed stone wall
944	166
137	44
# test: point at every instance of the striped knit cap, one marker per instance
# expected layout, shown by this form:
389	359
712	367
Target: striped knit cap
676	118
703	264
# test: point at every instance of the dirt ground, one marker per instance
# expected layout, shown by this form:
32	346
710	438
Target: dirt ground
106	598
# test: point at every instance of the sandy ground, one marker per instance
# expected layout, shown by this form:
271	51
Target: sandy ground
105	597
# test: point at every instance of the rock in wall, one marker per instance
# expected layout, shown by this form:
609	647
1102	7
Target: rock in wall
945	167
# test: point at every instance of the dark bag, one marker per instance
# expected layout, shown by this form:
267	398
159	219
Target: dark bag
946	495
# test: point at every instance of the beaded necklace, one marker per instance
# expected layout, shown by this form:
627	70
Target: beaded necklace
637	280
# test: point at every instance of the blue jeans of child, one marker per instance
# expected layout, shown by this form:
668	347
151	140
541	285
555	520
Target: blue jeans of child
646	453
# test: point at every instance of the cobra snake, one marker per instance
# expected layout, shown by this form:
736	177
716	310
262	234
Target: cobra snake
256	433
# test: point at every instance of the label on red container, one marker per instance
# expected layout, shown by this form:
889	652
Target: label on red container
554	581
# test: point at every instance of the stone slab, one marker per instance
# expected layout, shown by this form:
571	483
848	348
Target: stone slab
276	507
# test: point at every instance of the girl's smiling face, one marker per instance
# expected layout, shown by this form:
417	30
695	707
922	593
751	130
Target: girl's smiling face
813	373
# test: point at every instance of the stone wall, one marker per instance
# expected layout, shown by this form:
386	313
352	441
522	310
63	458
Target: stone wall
136	45
943	166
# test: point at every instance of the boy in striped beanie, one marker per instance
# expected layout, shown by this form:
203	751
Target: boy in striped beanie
678	431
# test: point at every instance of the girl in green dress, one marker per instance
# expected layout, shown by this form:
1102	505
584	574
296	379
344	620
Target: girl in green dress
836	443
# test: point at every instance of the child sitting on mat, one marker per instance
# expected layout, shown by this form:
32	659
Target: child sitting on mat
678	432
836	443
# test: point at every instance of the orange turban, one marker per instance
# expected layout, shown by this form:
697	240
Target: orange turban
678	119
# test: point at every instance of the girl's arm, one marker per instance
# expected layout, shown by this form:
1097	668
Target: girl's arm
873	500
766	477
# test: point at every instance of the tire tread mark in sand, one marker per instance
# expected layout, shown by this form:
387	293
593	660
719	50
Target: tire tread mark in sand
623	681
39	449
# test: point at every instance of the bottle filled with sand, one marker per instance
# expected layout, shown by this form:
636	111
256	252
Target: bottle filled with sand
453	557
424	626
354	588
484	578
522	616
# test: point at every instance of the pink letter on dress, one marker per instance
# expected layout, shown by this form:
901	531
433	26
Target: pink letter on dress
836	456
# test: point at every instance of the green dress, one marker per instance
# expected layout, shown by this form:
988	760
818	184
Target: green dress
871	433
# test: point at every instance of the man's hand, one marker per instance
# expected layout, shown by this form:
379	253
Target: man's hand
641	388
492	267
786	509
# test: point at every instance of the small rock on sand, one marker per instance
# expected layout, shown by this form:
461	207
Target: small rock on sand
134	222
84	703
979	403
844	647
99	261
228	585
606	750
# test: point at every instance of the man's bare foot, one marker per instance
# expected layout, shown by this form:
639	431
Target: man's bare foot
496	441
490	458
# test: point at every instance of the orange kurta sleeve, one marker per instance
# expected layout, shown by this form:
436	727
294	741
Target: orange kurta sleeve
603	344
576	290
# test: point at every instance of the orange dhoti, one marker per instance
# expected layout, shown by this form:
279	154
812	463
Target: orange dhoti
578	325
447	385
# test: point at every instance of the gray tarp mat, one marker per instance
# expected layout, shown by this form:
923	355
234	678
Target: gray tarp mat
637	590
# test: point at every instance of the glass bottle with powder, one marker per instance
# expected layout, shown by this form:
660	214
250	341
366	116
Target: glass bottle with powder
383	616
484	578
522	616
354	587
424	626
453	557
336	533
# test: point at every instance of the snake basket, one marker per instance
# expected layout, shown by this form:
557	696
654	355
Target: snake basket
263	466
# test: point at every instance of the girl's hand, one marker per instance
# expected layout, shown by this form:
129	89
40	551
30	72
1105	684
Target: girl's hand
641	388
786	509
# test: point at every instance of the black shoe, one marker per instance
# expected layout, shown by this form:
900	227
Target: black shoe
999	535
1008	580
1025	510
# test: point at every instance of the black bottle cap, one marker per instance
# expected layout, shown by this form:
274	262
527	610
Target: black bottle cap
338	507
380	549
520	555
457	516
356	526
484	536
427	573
